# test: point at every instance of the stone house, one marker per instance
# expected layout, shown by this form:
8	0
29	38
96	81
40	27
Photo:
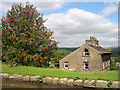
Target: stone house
90	57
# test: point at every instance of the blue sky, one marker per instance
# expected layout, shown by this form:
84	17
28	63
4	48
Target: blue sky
74	22
94	7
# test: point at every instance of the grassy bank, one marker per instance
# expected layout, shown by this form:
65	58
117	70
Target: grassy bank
29	70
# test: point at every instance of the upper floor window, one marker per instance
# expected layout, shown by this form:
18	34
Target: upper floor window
86	52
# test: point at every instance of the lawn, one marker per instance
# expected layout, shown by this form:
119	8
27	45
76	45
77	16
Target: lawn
29	70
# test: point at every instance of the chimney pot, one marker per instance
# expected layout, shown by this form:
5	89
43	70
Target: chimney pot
92	41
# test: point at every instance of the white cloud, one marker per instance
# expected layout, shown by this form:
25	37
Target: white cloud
5	6
109	10
46	5
72	28
41	5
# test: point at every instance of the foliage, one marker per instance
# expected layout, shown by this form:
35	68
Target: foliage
118	59
95	82
51	66
76	78
58	55
84	79
69	49
69	78
109	83
115	51
25	38
40	79
0	41
113	63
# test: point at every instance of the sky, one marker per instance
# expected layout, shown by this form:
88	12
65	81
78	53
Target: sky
74	22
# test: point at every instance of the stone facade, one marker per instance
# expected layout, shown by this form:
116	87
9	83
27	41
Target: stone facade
90	57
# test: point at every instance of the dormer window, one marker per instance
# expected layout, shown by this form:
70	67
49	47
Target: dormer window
86	52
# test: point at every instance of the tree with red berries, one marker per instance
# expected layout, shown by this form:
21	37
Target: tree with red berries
25	38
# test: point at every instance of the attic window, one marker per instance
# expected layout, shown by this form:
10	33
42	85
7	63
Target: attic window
86	52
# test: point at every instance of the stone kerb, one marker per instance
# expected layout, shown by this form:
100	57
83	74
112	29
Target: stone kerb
14	74
55	81
101	84
18	77
70	82
89	83
4	75
115	84
78	82
62	81
26	78
47	80
34	78
11	77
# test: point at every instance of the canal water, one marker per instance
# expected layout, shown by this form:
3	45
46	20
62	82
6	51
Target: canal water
14	85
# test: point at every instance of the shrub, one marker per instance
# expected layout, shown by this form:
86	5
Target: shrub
83	80
109	83
76	78
40	79
95	82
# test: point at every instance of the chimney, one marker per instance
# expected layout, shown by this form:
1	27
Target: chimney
92	41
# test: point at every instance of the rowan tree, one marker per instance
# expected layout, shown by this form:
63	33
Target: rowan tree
25	38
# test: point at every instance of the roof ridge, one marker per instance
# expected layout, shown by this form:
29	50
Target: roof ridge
100	48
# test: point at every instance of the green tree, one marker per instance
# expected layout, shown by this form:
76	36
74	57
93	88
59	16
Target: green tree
113	63
58	55
25	38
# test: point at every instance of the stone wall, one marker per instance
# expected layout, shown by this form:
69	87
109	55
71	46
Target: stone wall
75	60
62	81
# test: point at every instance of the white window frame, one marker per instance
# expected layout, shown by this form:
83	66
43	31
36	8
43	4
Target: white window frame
85	53
65	64
85	68
106	64
84	65
103	65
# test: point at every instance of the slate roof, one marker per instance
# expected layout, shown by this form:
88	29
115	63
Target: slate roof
100	49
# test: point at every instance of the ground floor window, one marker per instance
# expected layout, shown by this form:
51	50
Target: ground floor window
86	67
108	62
66	65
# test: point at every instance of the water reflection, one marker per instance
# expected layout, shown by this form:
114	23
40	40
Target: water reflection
14	84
